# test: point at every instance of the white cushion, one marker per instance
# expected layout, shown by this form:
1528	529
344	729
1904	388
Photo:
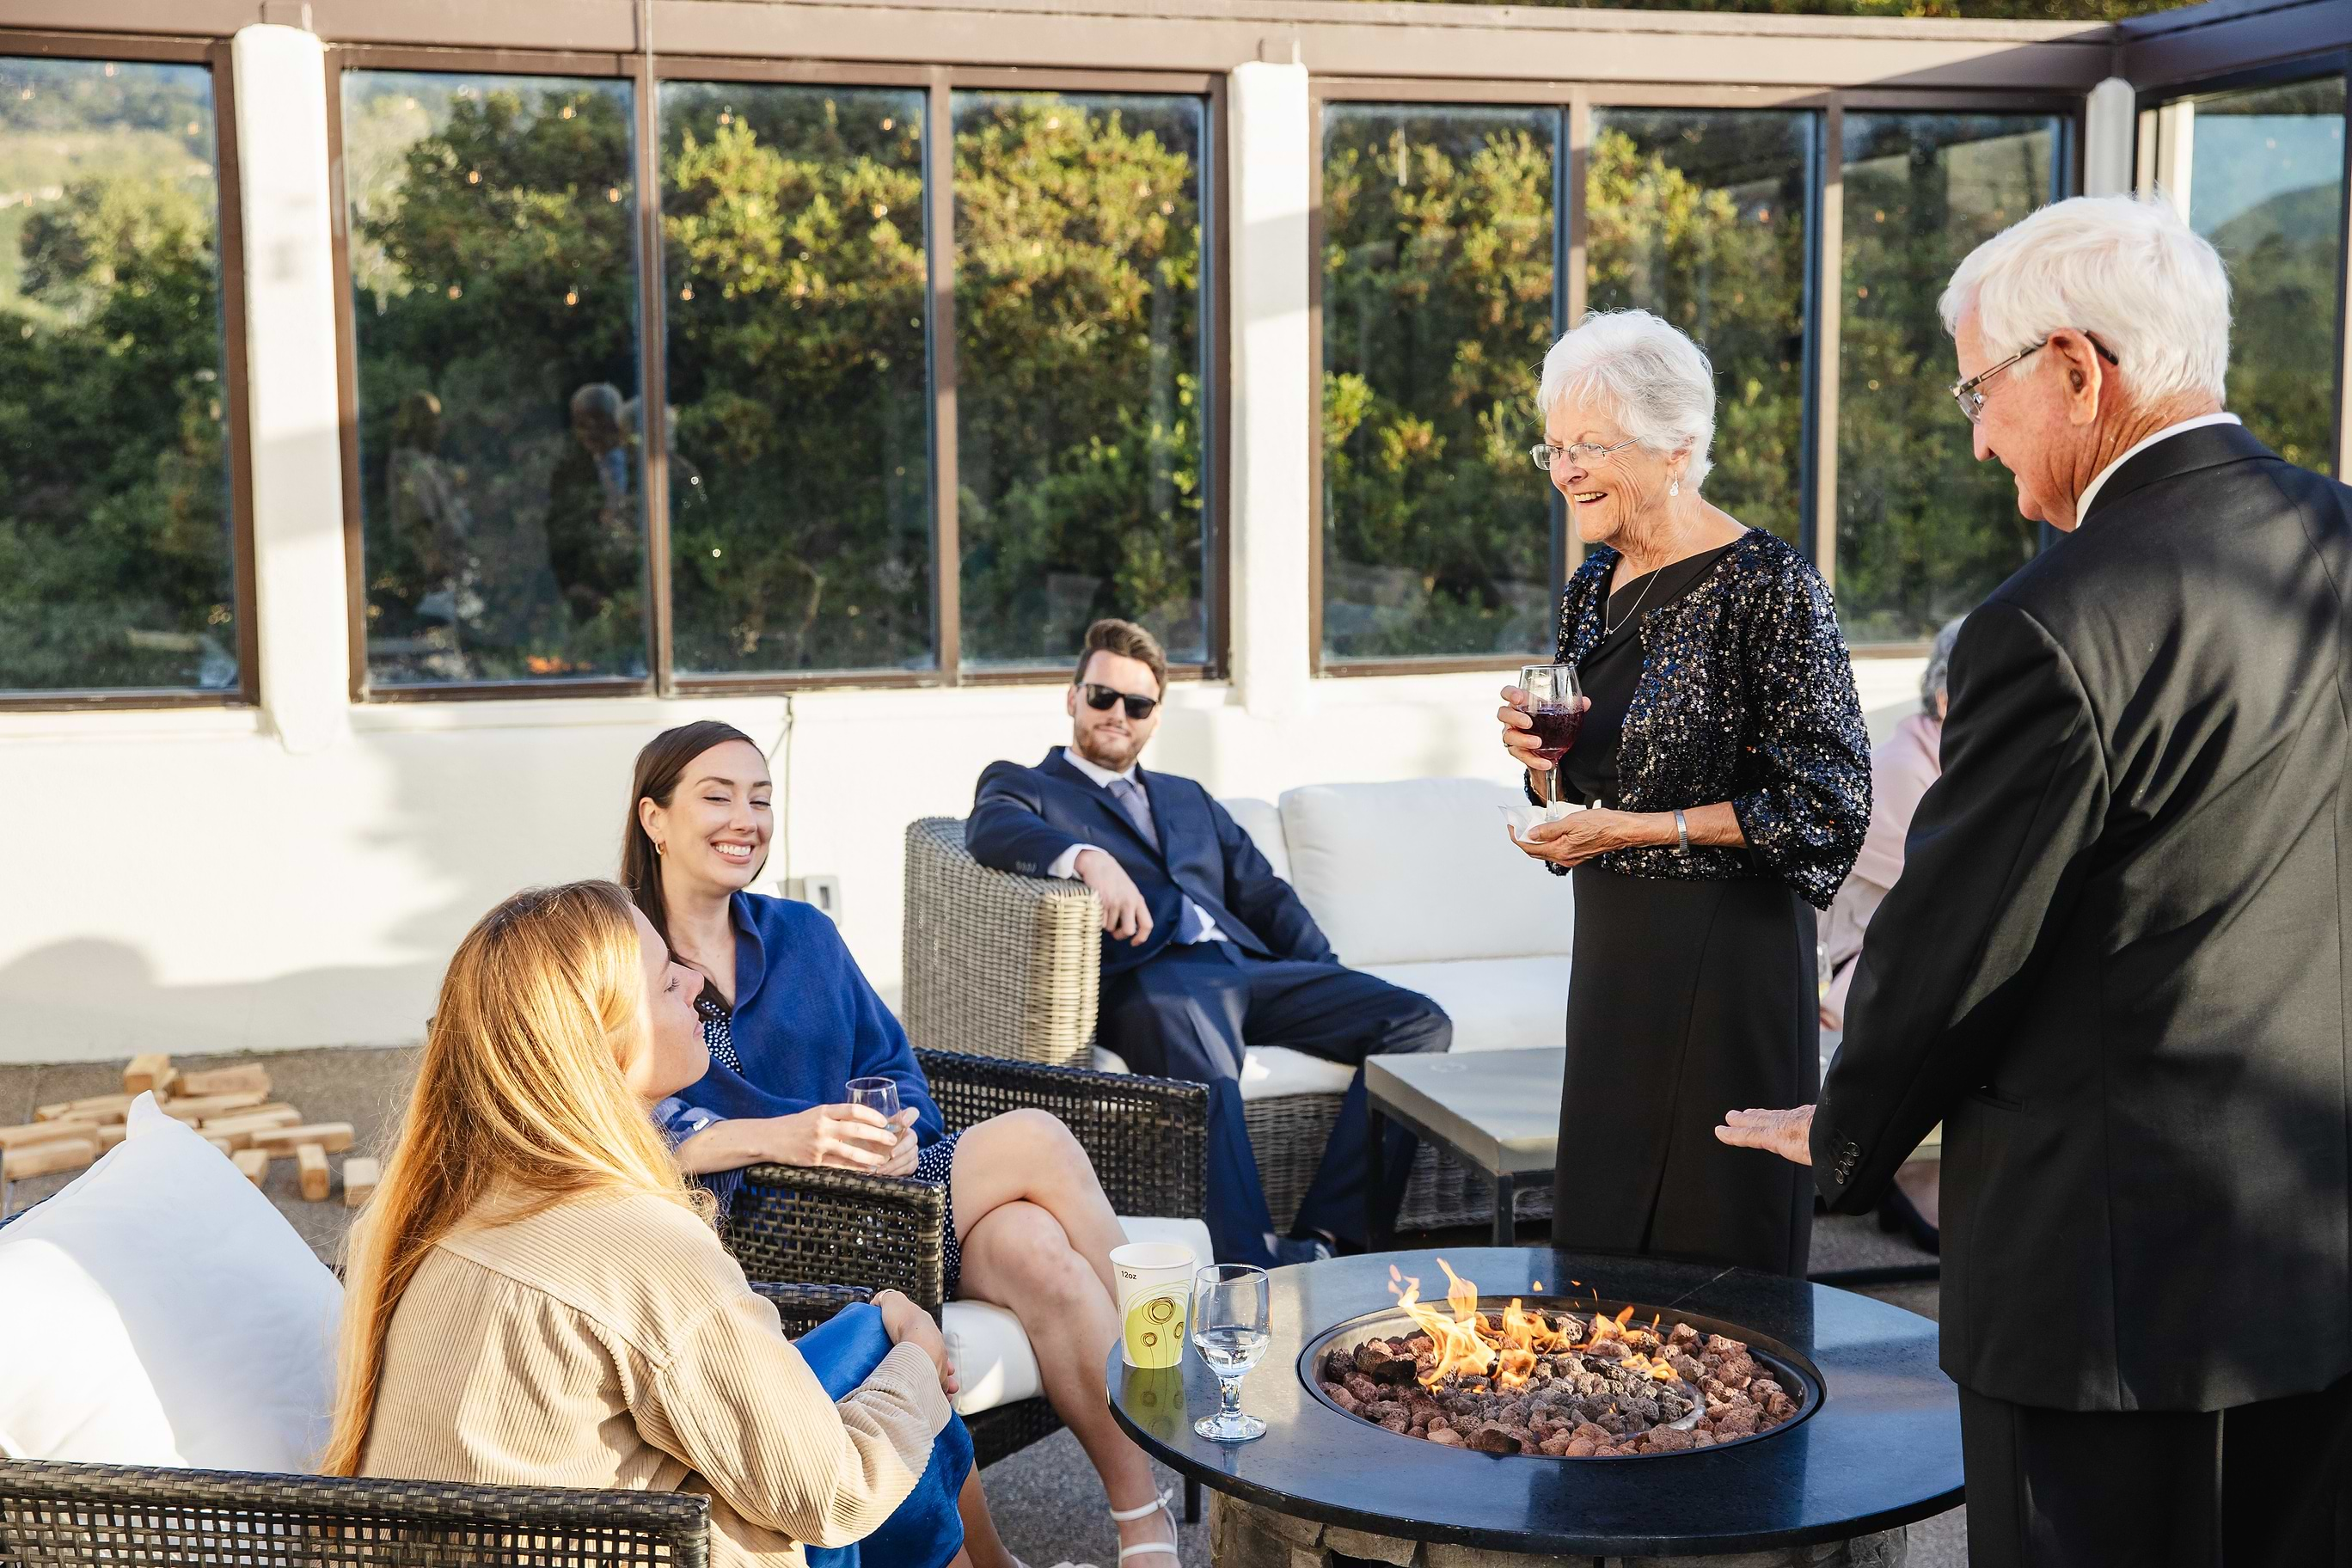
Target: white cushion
1497	1003
1267	1072
1262	820
993	1363
160	1311
1421	870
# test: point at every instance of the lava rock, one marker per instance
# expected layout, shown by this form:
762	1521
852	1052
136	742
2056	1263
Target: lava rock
1382	1364
1444	1436
1338	1394
1491	1438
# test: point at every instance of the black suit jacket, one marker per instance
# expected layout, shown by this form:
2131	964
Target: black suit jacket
2116	965
1024	818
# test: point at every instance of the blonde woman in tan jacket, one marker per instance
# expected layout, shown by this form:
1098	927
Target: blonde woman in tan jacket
537	1298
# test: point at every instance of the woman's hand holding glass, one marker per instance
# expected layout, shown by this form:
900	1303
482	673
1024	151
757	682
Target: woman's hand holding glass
842	1137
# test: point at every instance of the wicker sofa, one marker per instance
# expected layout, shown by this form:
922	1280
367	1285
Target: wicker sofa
1147	1136
68	1515
1010	966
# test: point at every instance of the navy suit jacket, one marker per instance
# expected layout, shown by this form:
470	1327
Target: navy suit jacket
1024	818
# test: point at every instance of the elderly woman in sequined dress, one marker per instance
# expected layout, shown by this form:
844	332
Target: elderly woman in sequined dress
1726	771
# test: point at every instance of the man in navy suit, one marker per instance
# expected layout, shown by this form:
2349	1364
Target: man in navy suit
1203	946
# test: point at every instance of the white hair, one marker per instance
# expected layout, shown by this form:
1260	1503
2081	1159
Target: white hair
2129	272
1656	381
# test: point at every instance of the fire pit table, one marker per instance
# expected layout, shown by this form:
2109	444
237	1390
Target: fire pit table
1874	1443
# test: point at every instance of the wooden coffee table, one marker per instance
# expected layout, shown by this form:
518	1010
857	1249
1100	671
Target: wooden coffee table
1497	1111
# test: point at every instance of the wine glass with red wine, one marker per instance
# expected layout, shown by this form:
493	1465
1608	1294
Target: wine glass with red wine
1556	703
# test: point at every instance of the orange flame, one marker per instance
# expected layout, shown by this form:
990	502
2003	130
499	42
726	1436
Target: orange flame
1468	1343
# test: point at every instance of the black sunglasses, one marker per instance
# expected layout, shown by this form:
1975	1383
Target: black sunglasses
1100	698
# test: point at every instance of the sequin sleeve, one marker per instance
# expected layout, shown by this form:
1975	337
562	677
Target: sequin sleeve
1803	799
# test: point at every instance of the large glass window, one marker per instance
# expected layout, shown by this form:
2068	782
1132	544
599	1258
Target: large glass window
1081	408
117	555
1923	531
495	298
1700	217
800	470
2262	175
1437	307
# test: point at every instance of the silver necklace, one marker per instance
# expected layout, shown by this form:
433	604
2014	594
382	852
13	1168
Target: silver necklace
1608	631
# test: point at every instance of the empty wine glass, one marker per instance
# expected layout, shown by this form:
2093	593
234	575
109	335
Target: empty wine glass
1556	703
1230	1303
880	1095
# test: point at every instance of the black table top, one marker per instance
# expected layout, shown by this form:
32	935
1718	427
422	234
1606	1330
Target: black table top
1881	1449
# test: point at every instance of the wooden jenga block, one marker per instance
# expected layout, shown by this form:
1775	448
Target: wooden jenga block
43	1158
331	1137
152	1070
222	1144
112	1134
315	1178
254	1163
243	1131
239	1080
258	1110
185	1117
360	1177
206	1107
99	1107
44	1132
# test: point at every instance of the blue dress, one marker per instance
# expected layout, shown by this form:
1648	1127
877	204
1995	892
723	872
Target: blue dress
925	1531
805	1022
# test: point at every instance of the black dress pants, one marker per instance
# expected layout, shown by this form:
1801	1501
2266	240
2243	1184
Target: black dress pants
1187	1015
2259	1486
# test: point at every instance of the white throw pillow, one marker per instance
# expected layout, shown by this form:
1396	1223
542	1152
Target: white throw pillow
1421	870
160	1311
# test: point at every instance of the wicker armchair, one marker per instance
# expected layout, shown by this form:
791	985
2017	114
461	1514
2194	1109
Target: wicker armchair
1147	1137
1000	966
68	1515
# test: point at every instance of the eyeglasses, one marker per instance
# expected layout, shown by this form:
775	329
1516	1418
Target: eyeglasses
1586	453
1100	698
1970	397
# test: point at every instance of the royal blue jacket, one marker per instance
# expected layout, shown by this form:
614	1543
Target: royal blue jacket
805	1023
1024	818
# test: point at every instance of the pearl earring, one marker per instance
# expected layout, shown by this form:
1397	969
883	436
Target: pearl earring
1675	488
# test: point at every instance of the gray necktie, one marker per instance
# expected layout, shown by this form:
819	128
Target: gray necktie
1131	800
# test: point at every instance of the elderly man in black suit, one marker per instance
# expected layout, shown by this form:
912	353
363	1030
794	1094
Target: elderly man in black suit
1203	946
2118	963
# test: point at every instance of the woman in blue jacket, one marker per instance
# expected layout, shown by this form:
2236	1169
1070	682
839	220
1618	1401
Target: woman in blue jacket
790	1020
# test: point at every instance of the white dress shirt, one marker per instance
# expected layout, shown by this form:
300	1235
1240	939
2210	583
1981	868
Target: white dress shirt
2091	493
1065	864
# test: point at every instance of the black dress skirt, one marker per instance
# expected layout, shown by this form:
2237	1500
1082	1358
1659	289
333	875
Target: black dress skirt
1687	998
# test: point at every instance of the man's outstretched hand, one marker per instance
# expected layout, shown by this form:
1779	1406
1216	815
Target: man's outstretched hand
1788	1133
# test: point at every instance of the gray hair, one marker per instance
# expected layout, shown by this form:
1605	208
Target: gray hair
1656	381
2129	272
1935	681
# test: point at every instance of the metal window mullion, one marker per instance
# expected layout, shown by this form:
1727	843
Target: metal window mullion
653	373
2343	293
1317	524
939	227
1829	300
228	250
1571	281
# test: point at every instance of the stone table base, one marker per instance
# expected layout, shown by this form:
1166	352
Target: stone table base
1244	1535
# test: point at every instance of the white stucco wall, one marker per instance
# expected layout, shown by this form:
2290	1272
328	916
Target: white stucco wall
297	875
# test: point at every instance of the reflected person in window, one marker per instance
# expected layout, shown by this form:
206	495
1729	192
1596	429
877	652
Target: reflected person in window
1724	757
790	1020
593	530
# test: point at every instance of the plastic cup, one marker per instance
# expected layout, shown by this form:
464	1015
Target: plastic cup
1526	819
1155	1287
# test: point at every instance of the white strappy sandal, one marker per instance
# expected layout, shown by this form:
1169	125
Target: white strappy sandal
1157	1505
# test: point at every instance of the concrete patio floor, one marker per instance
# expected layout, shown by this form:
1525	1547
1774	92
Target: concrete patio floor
1045	1499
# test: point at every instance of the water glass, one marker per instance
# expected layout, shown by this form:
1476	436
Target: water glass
1230	1329
879	1095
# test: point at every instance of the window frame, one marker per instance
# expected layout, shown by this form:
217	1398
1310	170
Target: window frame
213	53
939	83
2150	102
1825	239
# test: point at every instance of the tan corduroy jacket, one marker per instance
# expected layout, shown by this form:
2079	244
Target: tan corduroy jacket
613	1342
